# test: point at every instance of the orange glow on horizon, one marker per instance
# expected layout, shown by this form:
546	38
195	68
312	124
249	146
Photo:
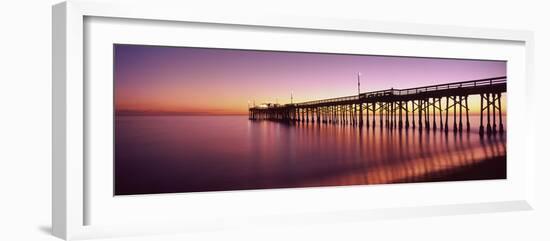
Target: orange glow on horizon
169	104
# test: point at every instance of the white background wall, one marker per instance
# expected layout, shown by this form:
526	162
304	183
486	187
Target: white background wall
25	120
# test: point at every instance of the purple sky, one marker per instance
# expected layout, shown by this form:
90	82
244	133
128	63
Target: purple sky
221	81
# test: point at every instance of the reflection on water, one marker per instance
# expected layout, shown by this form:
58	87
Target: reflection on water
164	154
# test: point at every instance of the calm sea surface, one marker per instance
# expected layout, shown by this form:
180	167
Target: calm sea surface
166	154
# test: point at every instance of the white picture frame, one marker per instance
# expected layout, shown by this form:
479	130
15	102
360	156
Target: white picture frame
72	188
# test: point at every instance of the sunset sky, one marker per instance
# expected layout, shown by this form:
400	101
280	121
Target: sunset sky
221	81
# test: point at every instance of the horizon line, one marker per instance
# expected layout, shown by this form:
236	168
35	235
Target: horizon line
173	113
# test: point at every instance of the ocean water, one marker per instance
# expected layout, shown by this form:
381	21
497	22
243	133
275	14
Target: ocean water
167	154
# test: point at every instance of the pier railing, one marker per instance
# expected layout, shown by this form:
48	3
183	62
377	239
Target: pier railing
455	85
410	91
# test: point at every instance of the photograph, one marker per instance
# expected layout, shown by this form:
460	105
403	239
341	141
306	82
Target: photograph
196	119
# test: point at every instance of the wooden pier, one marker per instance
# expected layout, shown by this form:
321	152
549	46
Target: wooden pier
425	108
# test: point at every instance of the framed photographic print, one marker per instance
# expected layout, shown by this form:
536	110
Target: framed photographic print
181	123
161	117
